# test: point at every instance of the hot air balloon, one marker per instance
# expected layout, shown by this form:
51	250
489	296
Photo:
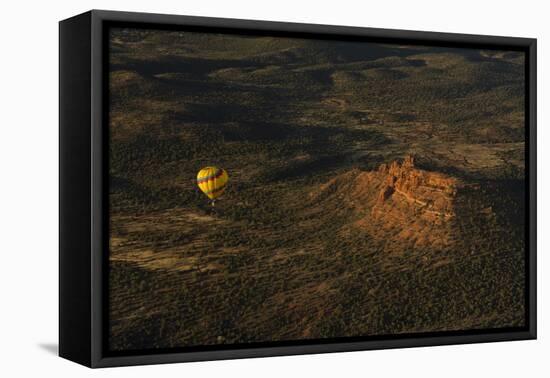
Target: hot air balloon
212	181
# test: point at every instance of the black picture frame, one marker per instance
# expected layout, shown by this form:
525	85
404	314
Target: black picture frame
83	228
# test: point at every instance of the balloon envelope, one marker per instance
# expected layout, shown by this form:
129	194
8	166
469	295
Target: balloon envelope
212	181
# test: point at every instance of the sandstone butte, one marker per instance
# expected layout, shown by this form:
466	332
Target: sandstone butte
400	203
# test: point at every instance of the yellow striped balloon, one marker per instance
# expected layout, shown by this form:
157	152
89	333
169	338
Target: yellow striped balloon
212	181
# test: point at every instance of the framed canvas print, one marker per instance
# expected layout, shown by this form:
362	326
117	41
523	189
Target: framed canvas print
234	188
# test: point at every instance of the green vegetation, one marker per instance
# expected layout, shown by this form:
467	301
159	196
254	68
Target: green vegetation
284	116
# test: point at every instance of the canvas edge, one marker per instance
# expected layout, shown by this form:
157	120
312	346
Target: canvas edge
531	46
74	192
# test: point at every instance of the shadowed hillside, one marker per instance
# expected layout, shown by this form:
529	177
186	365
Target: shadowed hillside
373	189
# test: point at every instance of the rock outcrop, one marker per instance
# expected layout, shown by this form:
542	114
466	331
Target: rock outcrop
400	202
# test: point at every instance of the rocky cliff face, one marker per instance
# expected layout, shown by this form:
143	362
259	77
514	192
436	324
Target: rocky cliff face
400	202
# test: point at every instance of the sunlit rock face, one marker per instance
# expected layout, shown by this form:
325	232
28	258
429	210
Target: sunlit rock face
401	202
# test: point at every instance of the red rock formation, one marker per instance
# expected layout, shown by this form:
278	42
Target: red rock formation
416	205
400	202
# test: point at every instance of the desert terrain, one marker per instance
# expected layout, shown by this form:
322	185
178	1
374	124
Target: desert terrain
373	189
